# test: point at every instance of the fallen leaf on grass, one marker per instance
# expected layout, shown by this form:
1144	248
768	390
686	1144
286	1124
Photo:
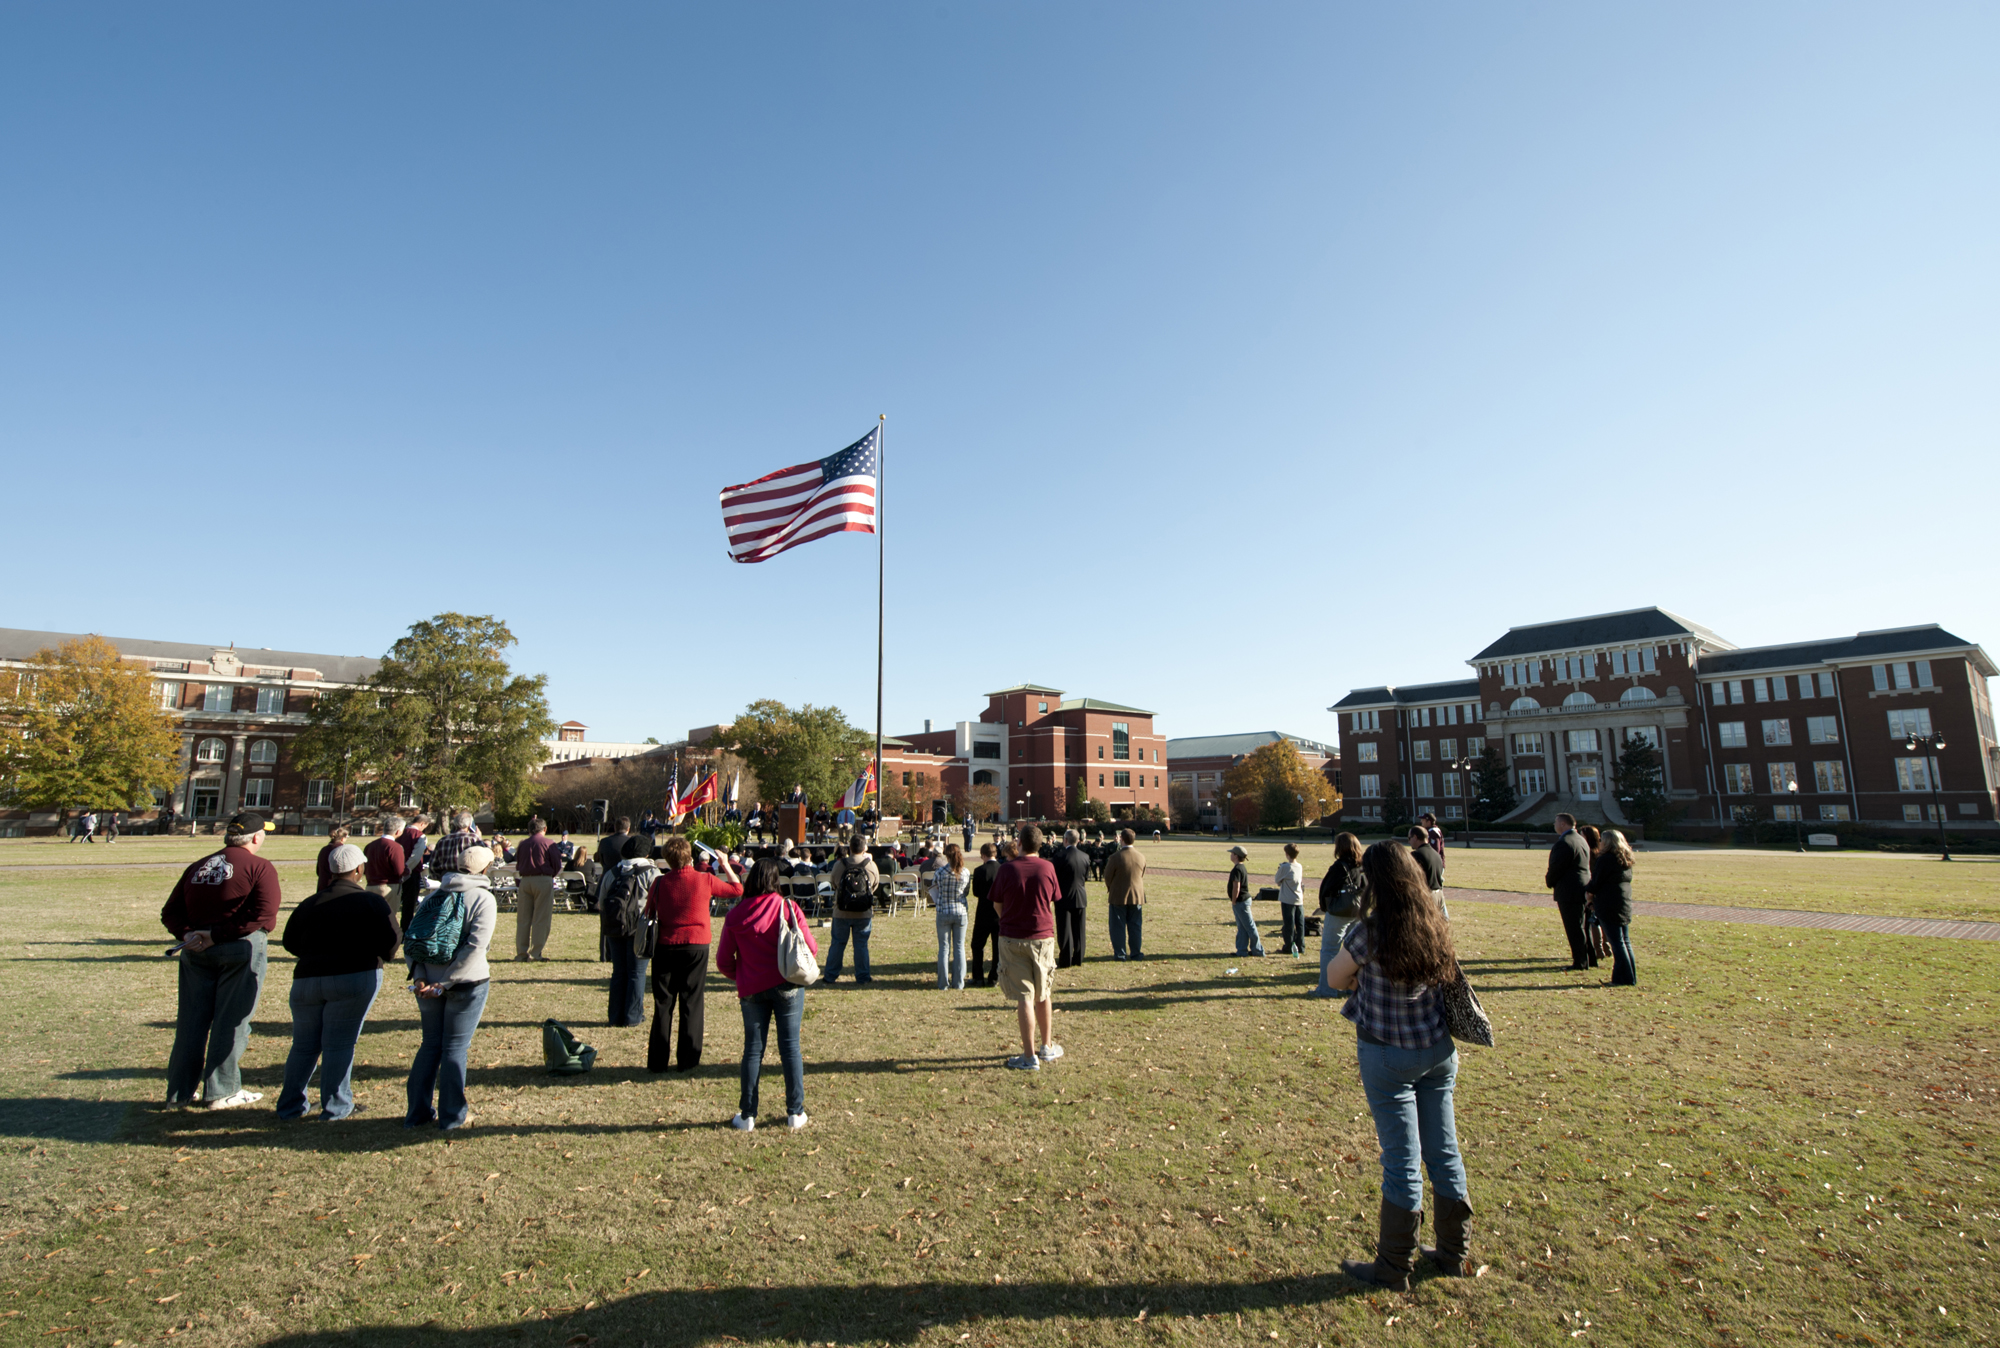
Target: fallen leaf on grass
161	1301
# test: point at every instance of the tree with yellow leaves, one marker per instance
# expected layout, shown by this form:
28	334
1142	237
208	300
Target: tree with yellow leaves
82	728
1286	788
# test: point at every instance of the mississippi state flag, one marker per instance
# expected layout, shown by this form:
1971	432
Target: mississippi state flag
857	795
781	510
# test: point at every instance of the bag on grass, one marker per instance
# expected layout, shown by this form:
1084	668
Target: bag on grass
795	957
562	1054
436	928
1464	1018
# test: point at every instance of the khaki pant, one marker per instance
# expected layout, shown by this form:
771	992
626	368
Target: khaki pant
535	906
384	890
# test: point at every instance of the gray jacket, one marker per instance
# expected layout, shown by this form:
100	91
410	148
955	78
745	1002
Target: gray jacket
481	917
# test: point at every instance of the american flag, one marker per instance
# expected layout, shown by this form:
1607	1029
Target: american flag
796	505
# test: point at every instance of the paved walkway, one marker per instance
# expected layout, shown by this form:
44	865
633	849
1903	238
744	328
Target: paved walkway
1708	912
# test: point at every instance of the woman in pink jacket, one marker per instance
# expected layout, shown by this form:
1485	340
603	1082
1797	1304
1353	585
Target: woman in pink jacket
747	951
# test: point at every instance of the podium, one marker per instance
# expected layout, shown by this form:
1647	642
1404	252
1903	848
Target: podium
791	823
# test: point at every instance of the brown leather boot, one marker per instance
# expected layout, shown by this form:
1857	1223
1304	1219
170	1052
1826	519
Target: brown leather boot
1395	1250
1453	1254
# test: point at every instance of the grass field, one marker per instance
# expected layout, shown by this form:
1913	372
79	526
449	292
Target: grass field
1783	1136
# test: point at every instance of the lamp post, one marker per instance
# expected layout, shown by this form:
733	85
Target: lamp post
1031	804
1932	744
1798	828
1463	767
1229	809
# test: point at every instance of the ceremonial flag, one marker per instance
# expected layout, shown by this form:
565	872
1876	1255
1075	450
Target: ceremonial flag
857	794
735	781
700	794
674	795
796	505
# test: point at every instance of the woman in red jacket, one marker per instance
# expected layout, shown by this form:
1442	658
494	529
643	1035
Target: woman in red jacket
748	953
679	899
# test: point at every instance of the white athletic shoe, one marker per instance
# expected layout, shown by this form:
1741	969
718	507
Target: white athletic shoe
234	1101
796	1121
1027	1062
743	1125
1049	1052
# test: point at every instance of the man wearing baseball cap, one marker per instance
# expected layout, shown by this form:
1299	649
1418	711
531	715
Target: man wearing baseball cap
223	910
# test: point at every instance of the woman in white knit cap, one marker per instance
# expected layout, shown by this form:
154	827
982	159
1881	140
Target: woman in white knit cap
340	935
450	983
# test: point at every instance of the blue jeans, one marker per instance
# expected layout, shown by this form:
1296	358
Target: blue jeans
628	985
1128	929
788	1004
1624	969
449	1023
1248	942
327	1014
218	995
951	948
860	928
1409	1093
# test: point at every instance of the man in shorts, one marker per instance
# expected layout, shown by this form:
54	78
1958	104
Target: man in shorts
1025	893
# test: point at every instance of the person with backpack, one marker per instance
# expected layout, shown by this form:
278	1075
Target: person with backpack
680	902
340	937
1340	894
854	878
446	949
622	897
749	952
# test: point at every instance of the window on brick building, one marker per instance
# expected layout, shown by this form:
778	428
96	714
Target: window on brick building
263	751
1838	814
1121	741
1367	752
1475	745
1777	732
1447	749
1421	749
211	751
1917	774
1782	775
1583	741
319	793
1730	735
1914	721
1528	744
257	793
1737	779
1822	730
1121	778
1826	683
217	697
1424	791
170	695
270	701
1534	781
1369	784
1830	774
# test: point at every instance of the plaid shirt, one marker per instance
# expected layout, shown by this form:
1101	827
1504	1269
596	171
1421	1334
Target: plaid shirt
1394	1013
450	849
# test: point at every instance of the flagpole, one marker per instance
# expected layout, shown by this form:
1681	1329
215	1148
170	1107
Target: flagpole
881	479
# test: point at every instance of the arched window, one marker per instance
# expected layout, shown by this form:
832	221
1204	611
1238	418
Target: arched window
1579	700
211	751
1525	704
263	751
1637	693
984	777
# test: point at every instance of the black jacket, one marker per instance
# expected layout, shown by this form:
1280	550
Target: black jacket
343	929
1072	874
1340	891
982	882
1432	864
1610	890
611	850
1569	868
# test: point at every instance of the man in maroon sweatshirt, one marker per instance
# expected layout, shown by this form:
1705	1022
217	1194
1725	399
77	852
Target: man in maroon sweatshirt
223	910
1025	892
538	863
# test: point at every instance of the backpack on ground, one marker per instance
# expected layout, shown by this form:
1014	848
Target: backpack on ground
856	894
436	928
562	1054
795	957
625	897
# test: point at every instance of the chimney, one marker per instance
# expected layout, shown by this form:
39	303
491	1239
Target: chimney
927	725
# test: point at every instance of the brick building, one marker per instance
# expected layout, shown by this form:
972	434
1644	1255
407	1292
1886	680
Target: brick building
1197	765
238	712
1737	727
1036	747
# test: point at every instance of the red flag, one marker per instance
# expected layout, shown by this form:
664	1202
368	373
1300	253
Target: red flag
701	793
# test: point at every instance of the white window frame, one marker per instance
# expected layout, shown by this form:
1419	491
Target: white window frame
1822	730
1829	775
1730	735
201	754
257	793
1367	752
1778	730
264	751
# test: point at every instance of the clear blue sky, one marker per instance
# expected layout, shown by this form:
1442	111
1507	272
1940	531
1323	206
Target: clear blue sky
1356	333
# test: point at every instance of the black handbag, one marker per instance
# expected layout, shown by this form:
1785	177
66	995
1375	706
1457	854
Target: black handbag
646	940
1464	1018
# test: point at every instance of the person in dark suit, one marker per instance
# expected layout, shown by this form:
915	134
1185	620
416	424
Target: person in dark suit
1569	876
1072	865
1610	891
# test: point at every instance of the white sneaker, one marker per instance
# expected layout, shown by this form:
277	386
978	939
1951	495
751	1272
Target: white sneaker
1027	1062
796	1121
1049	1052
236	1100
743	1125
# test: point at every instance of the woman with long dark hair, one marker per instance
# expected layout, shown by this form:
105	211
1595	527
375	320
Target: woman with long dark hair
1397	960
1340	893
748	953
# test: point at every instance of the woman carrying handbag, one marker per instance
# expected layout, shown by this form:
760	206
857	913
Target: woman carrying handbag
765	945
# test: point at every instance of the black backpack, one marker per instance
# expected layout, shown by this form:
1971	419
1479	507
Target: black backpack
626	902
856	895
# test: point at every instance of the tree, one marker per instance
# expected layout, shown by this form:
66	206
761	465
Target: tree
1279	806
1395	811
807	746
1638	780
1078	805
1276	767
80	727
1492	793
984	800
443	717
